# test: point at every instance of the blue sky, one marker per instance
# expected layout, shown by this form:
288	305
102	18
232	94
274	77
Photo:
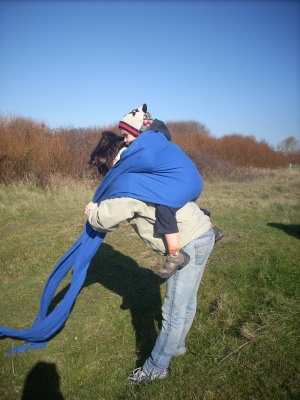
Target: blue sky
231	65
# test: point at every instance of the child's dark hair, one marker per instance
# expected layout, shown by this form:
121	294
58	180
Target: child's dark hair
106	151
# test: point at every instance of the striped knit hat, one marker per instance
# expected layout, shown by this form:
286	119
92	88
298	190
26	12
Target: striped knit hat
136	121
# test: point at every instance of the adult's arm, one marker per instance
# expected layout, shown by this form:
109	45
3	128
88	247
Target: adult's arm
110	213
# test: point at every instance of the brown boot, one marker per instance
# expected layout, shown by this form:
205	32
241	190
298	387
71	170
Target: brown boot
173	264
218	233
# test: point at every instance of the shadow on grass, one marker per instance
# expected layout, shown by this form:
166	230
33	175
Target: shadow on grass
139	289
292	230
42	383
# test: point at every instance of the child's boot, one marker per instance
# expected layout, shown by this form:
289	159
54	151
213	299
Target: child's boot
173	264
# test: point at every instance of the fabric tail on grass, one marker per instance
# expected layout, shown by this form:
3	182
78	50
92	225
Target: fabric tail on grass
47	324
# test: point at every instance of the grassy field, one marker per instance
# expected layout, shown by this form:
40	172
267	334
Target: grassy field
245	341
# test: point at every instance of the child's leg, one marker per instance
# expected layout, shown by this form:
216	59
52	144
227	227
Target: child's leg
172	240
205	212
219	234
166	225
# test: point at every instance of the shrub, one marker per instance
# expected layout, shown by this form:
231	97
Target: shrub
32	151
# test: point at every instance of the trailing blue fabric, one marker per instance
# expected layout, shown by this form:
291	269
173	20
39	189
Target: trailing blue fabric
152	169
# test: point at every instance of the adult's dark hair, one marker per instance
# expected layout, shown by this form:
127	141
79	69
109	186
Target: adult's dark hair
106	151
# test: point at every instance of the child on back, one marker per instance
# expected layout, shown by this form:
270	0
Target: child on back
131	126
106	154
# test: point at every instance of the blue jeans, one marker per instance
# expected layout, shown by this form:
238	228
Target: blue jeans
179	308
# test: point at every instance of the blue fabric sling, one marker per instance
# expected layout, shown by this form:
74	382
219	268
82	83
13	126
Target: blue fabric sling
153	170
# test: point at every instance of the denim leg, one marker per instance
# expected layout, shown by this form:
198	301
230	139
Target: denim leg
180	303
191	306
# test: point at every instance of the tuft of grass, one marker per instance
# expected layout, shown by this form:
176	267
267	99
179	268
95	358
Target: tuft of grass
245	340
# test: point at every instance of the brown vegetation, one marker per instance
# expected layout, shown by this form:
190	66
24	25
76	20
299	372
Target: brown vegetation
31	151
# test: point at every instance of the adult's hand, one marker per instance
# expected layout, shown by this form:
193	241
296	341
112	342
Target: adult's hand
90	207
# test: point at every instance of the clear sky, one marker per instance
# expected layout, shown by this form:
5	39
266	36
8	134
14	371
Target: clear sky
233	66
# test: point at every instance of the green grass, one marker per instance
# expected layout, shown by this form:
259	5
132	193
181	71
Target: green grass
245	340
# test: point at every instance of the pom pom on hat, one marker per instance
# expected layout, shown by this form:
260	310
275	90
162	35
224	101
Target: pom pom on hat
136	121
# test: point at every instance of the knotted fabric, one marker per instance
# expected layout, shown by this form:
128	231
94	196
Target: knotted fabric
153	170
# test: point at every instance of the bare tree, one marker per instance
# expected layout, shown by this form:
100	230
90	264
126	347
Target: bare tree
288	145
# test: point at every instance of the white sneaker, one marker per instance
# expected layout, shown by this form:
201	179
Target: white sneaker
138	376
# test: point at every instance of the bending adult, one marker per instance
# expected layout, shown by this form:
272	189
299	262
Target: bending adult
196	239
